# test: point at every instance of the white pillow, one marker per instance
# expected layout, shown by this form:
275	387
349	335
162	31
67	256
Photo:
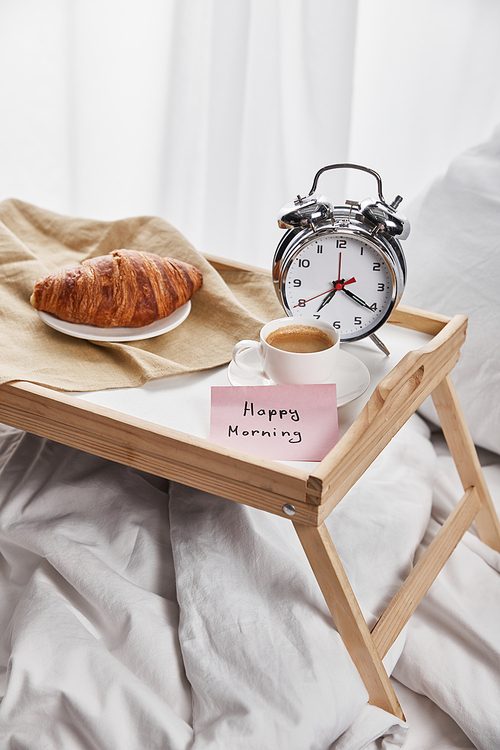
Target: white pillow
453	255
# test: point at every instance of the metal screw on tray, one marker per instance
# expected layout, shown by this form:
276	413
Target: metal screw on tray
289	510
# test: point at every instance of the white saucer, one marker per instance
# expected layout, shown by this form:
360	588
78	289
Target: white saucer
351	375
118	334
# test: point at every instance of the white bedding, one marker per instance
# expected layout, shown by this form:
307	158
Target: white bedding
141	614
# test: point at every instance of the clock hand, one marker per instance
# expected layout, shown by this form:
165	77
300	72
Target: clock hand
337	285
356	298
341	283
315	297
327	299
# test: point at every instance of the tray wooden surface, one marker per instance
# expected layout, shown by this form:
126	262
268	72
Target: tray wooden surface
259	482
309	496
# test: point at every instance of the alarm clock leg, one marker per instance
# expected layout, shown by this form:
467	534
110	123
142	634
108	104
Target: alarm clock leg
347	615
380	344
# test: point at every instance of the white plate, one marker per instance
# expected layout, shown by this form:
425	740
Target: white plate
118	334
351	375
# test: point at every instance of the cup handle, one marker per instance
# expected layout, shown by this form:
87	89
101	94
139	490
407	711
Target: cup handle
242	346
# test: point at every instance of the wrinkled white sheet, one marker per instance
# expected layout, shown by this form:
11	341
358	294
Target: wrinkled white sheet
452	651
141	614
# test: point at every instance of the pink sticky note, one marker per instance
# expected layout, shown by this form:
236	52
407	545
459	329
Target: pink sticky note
282	422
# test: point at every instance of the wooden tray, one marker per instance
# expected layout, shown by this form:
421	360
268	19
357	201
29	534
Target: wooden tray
305	498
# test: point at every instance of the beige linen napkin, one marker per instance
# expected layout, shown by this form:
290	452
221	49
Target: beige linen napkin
35	242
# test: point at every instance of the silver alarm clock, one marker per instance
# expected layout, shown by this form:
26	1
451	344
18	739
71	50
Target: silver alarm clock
342	264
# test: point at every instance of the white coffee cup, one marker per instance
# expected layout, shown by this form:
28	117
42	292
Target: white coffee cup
286	367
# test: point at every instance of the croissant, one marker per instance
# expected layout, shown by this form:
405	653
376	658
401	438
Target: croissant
126	288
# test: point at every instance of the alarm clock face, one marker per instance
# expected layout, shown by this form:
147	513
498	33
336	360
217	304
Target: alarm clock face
341	278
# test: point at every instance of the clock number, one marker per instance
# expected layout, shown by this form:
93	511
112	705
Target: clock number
304	262
358	321
336	324
319	249
380	287
361	250
341	243
376	266
297	282
301	303
374	307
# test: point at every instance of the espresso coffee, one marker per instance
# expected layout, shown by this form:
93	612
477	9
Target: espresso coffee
301	339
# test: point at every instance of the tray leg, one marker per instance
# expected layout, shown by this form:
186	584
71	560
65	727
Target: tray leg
464	454
347	615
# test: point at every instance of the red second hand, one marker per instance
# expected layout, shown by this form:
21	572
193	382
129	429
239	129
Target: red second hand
341	284
337	285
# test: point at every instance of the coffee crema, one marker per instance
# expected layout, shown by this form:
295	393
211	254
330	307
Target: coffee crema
300	339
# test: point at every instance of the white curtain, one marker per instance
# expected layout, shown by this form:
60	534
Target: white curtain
214	113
